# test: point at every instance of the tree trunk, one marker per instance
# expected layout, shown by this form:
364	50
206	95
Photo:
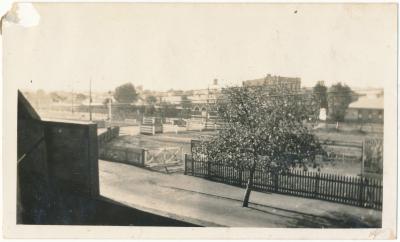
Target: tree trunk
248	188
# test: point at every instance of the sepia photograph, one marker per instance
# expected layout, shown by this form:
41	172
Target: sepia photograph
171	115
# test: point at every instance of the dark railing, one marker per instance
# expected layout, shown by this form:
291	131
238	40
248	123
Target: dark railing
111	133
352	190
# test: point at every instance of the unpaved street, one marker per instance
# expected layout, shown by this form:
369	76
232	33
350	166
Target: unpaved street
209	203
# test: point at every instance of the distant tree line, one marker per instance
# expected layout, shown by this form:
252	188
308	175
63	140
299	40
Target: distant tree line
335	100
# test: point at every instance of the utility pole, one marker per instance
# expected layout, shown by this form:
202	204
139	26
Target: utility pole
90	99
362	158
109	106
207	106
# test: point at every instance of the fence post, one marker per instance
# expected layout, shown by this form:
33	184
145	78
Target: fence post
361	192
240	177
370	202
182	154
316	188
126	156
143	157
192	161
208	168
362	158
275	175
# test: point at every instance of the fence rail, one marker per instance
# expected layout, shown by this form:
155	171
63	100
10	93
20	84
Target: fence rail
105	137
357	191
164	155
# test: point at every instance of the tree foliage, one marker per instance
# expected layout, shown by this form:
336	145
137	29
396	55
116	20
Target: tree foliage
339	98
151	100
150	109
80	97
168	110
107	101
186	102
320	92
55	97
262	130
126	93
186	106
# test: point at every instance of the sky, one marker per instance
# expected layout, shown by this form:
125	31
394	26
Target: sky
186	46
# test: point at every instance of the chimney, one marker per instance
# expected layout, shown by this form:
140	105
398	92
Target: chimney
215	83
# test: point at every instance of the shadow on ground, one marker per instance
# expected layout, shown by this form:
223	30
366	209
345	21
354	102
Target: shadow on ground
297	219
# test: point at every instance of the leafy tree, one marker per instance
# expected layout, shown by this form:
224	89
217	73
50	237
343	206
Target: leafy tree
262	130
106	101
80	97
320	92
150	108
339	98
168	110
151	100
126	93
185	101
55	97
186	104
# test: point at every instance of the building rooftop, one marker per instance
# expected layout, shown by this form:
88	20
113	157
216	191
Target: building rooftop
368	103
270	80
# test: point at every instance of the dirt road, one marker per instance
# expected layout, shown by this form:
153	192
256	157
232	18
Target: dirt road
207	203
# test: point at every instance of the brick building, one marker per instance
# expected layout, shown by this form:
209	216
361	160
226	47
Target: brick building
289	83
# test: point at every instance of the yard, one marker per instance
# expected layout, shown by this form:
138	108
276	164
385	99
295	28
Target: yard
180	138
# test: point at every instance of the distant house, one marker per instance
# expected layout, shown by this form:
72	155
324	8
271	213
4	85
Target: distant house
366	109
199	98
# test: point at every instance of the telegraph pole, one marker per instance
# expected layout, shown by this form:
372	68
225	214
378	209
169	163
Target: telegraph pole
207	106
109	106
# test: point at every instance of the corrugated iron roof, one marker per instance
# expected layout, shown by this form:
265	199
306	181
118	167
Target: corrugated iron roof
368	103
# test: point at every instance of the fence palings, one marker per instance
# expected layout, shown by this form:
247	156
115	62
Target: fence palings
107	136
358	191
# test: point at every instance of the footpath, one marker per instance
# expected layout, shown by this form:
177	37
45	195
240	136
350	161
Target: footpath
208	203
